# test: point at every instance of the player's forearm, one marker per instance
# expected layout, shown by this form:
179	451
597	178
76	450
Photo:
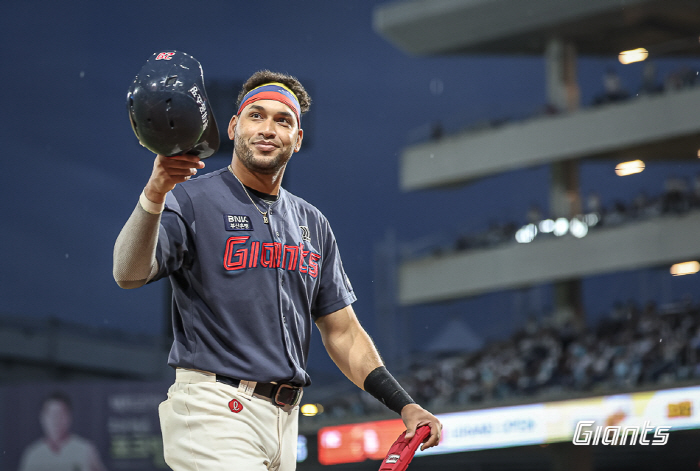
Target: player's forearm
357	357
134	260
354	353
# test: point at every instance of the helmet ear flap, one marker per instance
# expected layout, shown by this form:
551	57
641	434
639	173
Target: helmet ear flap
168	107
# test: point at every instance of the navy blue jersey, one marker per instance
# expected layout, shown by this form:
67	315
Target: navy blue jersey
246	293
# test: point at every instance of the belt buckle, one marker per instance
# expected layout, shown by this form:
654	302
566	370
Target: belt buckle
280	390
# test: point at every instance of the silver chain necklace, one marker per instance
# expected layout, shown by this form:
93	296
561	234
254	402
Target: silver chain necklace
263	213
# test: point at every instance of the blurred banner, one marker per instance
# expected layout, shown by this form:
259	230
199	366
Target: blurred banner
114	426
517	426
76	426
96	426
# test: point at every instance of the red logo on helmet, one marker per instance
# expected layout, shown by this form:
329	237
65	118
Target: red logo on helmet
235	406
165	56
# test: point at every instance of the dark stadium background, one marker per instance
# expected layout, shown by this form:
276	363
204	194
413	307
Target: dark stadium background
74	169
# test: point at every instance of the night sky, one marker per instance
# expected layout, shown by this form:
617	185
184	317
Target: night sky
74	169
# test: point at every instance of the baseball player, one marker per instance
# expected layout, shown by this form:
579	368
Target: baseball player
252	268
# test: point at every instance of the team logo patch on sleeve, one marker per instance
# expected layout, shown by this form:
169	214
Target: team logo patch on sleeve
233	222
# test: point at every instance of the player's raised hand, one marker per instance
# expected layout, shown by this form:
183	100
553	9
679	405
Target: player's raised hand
414	416
168	172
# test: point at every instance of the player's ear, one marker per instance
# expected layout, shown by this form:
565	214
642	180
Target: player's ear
300	137
232	127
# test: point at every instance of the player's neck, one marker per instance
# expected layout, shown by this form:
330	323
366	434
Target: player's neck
268	184
56	444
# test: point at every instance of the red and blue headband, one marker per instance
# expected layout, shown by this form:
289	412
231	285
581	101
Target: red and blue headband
273	91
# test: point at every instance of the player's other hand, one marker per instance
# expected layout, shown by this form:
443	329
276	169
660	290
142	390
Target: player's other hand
168	172
414	416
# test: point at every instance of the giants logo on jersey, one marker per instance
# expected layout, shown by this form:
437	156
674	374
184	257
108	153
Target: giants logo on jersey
269	255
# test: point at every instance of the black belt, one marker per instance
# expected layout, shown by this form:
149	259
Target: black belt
280	394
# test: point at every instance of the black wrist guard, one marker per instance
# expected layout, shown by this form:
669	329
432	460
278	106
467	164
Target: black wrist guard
380	384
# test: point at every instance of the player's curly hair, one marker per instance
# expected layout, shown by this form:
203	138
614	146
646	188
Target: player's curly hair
262	77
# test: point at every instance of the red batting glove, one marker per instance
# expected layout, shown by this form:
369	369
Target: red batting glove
402	451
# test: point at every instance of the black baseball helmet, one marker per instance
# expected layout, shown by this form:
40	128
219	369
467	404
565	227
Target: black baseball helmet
169	109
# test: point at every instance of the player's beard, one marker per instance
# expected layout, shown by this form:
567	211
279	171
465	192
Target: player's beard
266	166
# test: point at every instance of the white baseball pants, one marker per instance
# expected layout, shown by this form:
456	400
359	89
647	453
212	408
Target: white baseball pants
211	426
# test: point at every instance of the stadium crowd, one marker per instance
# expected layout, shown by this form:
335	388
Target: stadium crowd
679	196
633	347
613	90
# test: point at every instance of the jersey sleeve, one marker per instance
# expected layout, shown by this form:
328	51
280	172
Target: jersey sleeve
335	291
134	260
176	249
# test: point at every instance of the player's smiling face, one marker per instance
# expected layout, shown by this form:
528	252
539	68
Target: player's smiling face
265	136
